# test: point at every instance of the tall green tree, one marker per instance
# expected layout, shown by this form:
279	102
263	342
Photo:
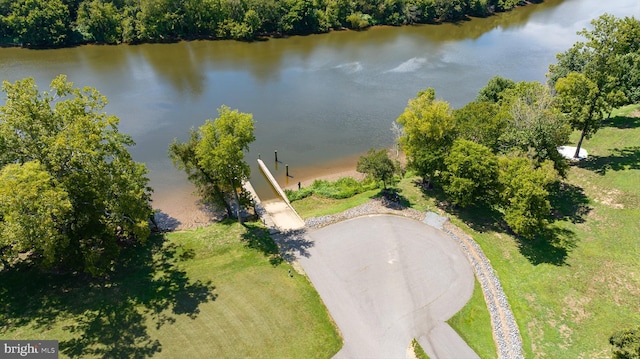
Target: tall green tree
609	43
580	99
429	131
524	194
492	91
94	197
377	165
213	158
33	210
608	63
99	21
534	124
159	19
471	173
40	22
480	122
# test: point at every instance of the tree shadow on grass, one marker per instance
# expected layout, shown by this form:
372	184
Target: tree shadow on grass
620	159
107	317
569	202
392	198
258	237
552	247
622	122
479	216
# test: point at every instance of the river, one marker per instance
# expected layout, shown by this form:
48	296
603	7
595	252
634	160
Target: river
320	100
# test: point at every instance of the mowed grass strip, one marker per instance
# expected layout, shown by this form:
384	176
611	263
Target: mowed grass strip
316	206
475	315
216	292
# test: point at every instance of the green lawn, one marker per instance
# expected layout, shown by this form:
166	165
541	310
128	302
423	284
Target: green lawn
216	292
316	206
572	291
473	324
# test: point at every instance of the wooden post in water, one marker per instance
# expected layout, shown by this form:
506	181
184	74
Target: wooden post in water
287	168
276	152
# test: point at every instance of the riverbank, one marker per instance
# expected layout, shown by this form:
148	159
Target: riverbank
138	25
180	208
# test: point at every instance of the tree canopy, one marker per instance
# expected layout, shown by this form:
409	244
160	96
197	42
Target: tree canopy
213	158
579	98
524	194
428	133
595	76
471	173
499	151
37	23
377	165
71	196
492	91
626	344
479	121
534	126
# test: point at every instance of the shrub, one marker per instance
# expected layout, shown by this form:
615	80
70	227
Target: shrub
344	187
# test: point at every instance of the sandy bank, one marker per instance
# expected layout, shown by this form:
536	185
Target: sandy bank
180	208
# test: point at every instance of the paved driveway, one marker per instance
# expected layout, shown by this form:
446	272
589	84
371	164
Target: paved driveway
388	279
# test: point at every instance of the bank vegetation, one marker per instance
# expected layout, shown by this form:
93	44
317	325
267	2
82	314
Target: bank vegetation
56	23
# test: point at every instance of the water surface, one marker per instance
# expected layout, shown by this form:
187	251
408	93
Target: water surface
317	99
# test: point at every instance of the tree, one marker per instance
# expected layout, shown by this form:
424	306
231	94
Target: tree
471	173
524	194
201	17
534	124
398	132
492	91
40	22
92	198
608	44
213	158
608	62
301	17
159	19
33	208
428	133
626	344
99	21
479	122
377	165
579	98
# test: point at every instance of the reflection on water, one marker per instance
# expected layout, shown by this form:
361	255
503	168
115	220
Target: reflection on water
317	99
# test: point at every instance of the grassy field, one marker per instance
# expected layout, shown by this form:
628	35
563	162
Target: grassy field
571	291
216	292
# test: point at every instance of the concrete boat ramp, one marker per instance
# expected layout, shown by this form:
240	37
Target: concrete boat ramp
280	215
